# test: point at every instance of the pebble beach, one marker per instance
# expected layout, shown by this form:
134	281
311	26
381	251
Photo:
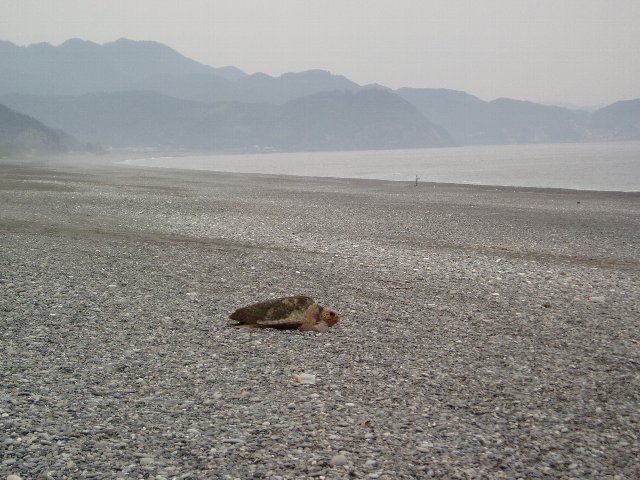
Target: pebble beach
487	332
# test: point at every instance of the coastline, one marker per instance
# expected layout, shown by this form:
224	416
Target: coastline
486	330
580	166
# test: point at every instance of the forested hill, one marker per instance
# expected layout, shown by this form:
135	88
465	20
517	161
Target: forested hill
21	134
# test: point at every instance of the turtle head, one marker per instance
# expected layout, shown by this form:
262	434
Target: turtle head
329	317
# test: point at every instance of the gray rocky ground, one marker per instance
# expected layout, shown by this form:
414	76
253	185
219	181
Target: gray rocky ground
486	333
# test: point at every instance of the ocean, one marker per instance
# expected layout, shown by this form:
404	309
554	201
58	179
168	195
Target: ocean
613	166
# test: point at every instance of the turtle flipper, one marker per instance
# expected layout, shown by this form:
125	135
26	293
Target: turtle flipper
320	327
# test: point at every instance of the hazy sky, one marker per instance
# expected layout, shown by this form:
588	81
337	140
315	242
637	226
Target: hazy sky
584	52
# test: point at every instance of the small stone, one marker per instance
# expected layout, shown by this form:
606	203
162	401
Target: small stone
597	299
237	441
305	378
147	461
338	460
14	477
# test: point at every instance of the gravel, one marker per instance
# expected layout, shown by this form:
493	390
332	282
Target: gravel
487	332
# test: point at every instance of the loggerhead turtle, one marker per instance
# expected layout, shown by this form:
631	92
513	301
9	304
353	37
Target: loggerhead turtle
299	312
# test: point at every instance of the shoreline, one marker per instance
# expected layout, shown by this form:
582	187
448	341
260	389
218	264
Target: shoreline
408	182
487	331
128	162
83	161
500	170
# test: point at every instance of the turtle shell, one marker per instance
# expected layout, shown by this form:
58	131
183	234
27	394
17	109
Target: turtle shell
285	312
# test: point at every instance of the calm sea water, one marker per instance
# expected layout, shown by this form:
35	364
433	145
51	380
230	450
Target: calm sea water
587	166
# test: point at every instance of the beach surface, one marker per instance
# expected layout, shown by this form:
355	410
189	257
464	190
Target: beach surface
487	332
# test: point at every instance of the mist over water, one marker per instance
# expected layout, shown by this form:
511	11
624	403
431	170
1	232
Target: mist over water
583	166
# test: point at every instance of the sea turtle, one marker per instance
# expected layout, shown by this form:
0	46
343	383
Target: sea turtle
299	312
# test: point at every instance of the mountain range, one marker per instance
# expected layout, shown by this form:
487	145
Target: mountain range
322	121
139	94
